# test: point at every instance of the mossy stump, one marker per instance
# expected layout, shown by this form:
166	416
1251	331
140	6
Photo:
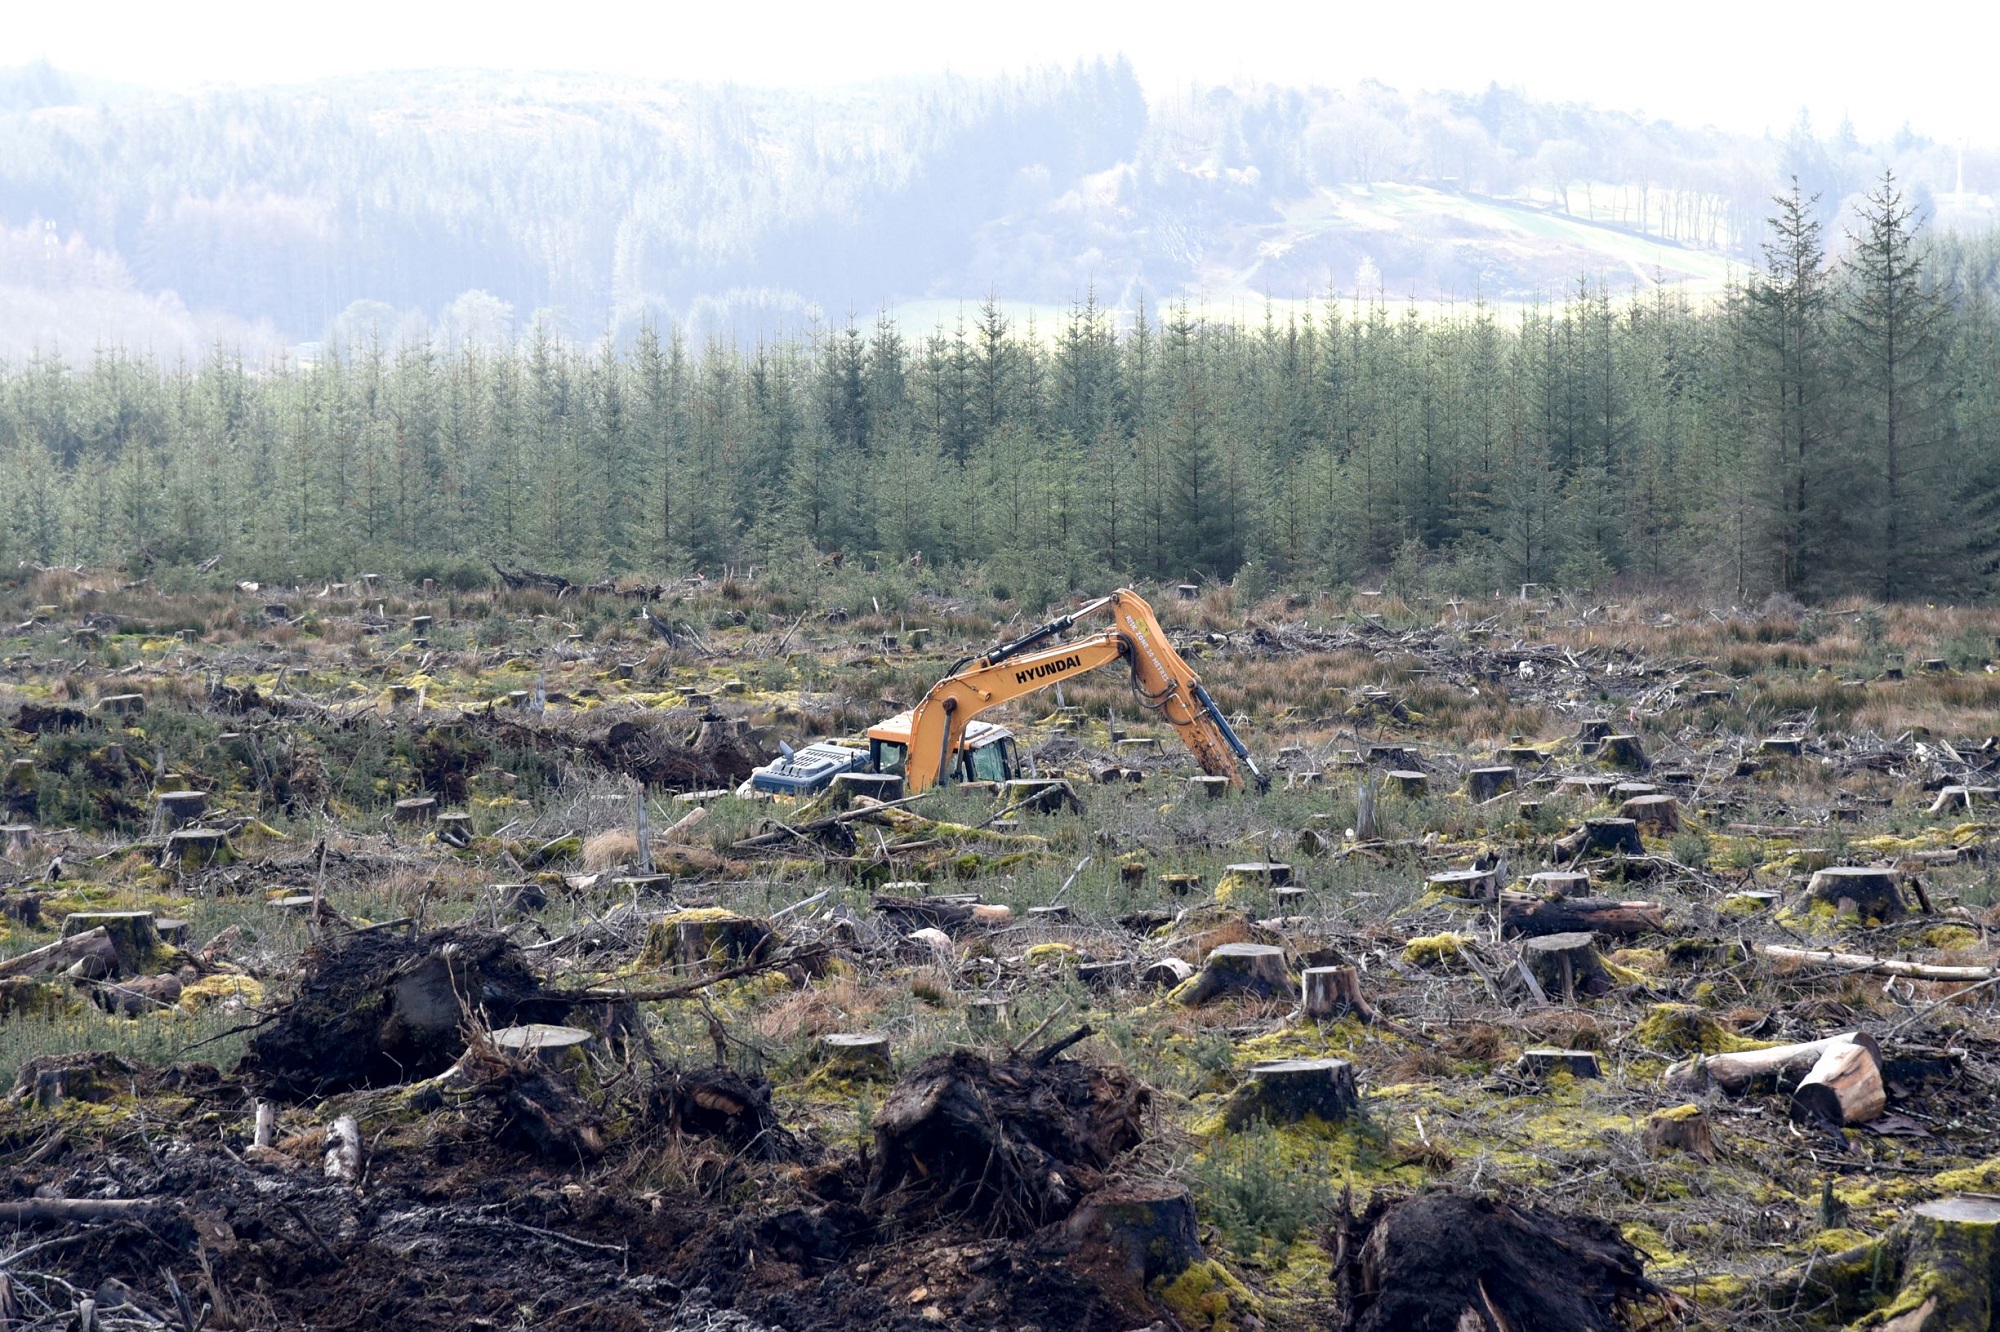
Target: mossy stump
1544	1063
192	849
1286	1091
708	936
1257	970
1684	1128
1951	1268
1482	784
132	933
1180	885
1414	785
1860	891
1623	752
857	1057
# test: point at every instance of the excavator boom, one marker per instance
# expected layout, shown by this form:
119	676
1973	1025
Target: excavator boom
1164	681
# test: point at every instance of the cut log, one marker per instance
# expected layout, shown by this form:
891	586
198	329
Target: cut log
1332	992
343	1150
1776	1068
856	1056
1289	1091
1681	1129
1252	969
132	934
1542	1064
1485	783
1525	915
1880	966
1147	1228
1858	890
1168	973
63	954
1566	966
70	1210
1843	1087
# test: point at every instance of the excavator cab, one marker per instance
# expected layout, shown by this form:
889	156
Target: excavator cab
986	754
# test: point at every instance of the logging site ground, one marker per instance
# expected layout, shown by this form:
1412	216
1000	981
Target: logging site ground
389	956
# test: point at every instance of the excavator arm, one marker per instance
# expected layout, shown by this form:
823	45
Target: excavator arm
1164	681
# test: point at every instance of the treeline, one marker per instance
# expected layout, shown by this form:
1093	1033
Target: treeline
1832	427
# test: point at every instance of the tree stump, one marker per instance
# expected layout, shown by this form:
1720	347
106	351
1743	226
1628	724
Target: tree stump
178	809
16	840
1287	1091
1485	783
1147	1228
1844	1087
1566	966
421	625
415	810
1132	876
1042	795
132	934
985	1015
18	797
883	786
1592	730
1783	746
551	1044
1271	873
1411	784
455	829
1601	837
1951	1266
1332	992
1623	752
1559	883
856	1057
1684	1128
1241	968
122	705
1180	885
1213	787
1474	885
1856	890
1656	813
192	849
1589	788
701	936
1544	1063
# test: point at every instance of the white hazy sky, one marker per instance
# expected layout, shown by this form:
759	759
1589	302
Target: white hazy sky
1747	65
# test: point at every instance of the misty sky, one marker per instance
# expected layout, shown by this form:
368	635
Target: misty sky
1746	65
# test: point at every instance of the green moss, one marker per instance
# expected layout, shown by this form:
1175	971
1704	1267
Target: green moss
1208	1296
1433	949
1684	1029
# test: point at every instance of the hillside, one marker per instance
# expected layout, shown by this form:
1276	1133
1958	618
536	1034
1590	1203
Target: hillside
468	205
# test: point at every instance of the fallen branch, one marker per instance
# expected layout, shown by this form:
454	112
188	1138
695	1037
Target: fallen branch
76	1209
1880	966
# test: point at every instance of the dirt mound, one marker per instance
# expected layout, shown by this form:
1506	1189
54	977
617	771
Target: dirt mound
376	1009
1011	1144
1442	1261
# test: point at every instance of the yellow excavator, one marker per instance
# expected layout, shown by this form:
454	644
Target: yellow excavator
941	739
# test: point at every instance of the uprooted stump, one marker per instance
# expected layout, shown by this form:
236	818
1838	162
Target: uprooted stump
531	1105
721	1103
378	1009
1443	1261
1010	1144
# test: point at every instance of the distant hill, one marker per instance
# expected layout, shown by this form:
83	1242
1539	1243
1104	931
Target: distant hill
467	205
